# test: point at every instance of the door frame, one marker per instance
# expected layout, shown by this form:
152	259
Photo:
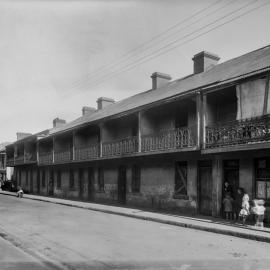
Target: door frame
81	182
91	183
122	184
199	183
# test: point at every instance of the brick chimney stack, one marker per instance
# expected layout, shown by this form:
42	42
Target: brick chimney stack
159	79
57	122
203	61
22	135
103	102
87	110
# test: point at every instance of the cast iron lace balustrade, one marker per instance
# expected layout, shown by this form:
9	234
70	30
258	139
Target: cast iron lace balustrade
62	156
19	160
121	147
244	131
46	158
29	157
87	153
10	162
169	139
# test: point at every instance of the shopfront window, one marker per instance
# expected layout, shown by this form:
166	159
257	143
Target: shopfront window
262	175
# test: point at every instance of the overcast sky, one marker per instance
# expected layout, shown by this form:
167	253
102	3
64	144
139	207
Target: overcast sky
55	53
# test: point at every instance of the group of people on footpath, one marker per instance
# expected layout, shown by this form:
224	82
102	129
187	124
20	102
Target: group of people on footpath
238	206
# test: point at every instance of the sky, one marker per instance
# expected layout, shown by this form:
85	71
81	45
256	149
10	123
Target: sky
57	56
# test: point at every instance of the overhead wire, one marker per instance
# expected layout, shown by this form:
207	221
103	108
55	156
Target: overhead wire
131	53
131	66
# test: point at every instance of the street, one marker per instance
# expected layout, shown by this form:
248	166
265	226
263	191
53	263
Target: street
63	237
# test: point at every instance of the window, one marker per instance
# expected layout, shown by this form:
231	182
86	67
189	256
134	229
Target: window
71	178
43	178
59	179
180	187
136	179
262	178
101	179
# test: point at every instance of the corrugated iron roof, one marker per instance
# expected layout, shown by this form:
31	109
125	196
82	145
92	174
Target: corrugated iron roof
239	66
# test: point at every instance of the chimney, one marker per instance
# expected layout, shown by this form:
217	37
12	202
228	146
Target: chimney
87	110
203	61
57	122
103	102
22	135
159	79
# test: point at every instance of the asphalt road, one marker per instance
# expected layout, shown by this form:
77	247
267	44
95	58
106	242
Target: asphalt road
71	238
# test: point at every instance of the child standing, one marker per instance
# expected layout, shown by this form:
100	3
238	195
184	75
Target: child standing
258	210
245	208
228	206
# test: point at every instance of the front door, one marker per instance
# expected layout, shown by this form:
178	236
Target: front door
51	183
91	179
122	179
81	183
31	181
205	187
231	175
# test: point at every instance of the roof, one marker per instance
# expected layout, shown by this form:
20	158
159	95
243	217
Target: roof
234	68
30	137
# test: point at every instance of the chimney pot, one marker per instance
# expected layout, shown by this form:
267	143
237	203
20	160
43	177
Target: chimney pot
103	102
203	61
57	122
87	110
22	135
159	79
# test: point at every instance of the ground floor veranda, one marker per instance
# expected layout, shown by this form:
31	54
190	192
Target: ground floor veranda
189	182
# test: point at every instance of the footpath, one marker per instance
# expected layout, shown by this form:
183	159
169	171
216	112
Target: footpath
199	223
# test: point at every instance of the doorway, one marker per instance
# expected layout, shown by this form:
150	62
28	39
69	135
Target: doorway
81	183
122	180
231	175
31	181
205	183
51	183
38	181
91	181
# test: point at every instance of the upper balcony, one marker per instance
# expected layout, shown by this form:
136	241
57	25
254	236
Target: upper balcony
63	148
45	152
120	137
238	116
19	153
87	143
171	127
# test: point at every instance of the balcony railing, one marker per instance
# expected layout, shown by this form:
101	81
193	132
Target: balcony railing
87	153
125	146
19	160
62	156
45	158
10	162
169	139
30	157
238	132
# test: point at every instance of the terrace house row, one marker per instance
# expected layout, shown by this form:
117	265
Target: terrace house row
171	147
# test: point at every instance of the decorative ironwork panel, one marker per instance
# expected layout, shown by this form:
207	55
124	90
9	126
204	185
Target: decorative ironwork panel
10	162
62	156
249	130
169	139
46	158
30	157
19	160
87	153
125	146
